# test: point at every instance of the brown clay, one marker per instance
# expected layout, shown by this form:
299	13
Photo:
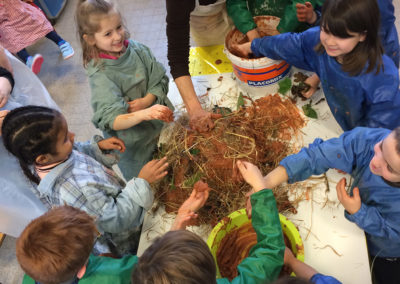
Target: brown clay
201	186
167	116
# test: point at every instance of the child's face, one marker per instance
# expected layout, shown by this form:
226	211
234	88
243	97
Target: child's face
111	34
337	46
65	142
386	161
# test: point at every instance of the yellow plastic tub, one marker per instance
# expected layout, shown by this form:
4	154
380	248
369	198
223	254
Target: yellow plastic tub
239	218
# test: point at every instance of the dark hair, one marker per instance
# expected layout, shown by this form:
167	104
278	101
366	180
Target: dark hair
397	138
339	17
177	257
54	246
28	132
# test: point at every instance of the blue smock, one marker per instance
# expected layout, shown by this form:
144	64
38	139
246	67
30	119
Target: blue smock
379	215
388	32
368	99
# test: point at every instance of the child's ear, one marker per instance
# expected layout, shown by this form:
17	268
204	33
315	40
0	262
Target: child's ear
363	36
89	39
42	159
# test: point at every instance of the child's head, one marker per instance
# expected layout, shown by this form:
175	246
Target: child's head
386	161
36	135
55	246
349	32
177	257
100	29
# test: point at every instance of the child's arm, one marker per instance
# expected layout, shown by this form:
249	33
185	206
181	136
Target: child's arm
242	18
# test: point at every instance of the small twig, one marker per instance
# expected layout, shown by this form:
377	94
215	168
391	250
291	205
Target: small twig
329	246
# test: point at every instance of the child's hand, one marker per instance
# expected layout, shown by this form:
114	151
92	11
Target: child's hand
112	143
351	203
289	257
252	34
197	198
3	114
248	203
305	13
154	170
252	175
5	90
157	112
313	81
183	219
241	50
137	104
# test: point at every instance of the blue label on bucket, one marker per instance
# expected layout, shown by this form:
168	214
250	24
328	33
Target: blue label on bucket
268	82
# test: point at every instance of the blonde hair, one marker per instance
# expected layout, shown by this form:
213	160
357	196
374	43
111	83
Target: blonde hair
89	13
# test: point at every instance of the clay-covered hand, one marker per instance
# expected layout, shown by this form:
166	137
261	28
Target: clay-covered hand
241	50
202	121
351	203
3	114
156	112
154	170
137	104
183	219
252	175
5	90
313	81
305	13
252	34
112	143
197	198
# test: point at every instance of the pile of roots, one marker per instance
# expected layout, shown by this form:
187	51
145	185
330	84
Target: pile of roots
261	133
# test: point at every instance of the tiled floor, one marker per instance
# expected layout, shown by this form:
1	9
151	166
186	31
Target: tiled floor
67	83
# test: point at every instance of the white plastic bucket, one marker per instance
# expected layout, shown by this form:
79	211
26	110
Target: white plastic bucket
257	72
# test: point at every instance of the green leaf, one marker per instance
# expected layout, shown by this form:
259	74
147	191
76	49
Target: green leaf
309	111
172	183
190	181
240	101
284	85
194	151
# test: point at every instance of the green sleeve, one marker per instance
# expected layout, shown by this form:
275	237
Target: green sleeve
289	22
240	14
107	101
157	79
27	280
265	260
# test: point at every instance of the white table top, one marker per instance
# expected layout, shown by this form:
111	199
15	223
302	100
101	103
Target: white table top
332	245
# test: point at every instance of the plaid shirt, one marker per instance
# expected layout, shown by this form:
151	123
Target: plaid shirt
86	182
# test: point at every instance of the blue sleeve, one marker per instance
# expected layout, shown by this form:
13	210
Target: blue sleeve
383	104
295	48
323	279
371	221
339	153
91	148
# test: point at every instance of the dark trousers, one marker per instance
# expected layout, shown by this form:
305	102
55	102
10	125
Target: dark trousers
385	270
53	35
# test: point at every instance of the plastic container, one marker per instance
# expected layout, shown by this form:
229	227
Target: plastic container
239	218
256	72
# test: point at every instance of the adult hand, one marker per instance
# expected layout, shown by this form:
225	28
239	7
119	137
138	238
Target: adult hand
202	121
305	13
241	50
252	175
313	81
3	114
351	203
5	90
112	143
154	170
137	104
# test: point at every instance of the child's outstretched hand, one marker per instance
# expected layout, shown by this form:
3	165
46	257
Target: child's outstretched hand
305	13
112	143
5	90
313	81
158	112
241	50
351	203
196	200
252	175
154	170
3	114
